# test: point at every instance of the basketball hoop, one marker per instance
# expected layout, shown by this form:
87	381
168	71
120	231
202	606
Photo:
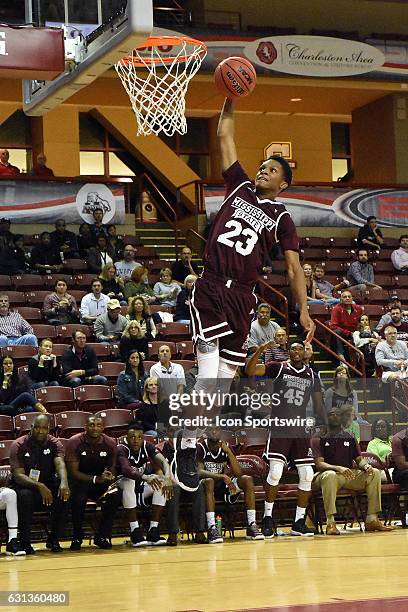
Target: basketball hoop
156	76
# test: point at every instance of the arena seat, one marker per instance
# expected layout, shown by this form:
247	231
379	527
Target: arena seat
185	350
64	332
75	265
155	265
58	349
51	279
320	311
84	280
153	348
158	308
5	451
24	421
174	332
111	370
278	265
383	267
5	282
93	397
276	280
337	267
78	294
314	241
402	294
6	427
20	353
56	399
102	350
29	313
148	364
28	282
17	298
373	310
116	421
401	280
384	280
340	242
36	298
252	441
377	296
314	254
142	252
42	330
71	422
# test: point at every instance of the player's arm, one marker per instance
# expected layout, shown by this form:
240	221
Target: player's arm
203	473
323	466
298	286
319	408
225	135
232	461
163	465
253	368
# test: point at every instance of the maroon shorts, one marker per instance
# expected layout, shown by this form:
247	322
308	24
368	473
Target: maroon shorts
295	450
223	312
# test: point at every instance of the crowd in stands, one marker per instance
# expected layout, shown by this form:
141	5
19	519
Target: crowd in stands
123	312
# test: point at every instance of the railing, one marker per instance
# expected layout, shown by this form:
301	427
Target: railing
196	241
164	206
283	300
361	373
199	197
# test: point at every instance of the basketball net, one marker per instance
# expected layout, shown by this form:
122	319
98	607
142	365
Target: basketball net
156	77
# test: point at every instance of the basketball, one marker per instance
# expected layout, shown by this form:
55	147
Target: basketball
235	77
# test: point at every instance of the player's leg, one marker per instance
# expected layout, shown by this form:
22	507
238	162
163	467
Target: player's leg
214	537
246	484
158	501
275	453
301	455
8	501
127	486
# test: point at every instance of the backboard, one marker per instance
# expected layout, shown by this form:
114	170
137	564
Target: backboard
97	33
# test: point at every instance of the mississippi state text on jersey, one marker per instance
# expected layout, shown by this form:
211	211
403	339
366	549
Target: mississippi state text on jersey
245	230
295	388
133	464
214	462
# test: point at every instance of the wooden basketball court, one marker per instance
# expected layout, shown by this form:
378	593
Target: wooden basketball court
236	575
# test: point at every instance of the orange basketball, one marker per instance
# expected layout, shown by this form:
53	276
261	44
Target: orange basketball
235	77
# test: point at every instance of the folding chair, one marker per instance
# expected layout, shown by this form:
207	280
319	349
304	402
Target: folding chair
71	422
56	399
93	397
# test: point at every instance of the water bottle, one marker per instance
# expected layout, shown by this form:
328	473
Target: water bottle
218	524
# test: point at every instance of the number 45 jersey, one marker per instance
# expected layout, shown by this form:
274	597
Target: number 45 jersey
245	230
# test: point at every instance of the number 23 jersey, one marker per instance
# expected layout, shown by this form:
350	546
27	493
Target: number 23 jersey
246	229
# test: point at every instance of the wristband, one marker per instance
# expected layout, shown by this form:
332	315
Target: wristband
94	480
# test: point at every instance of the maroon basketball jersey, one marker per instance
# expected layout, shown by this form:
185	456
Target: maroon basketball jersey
295	388
245	230
213	462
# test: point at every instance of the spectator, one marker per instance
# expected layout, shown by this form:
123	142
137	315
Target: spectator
391	355
6	169
150	410
112	285
182	314
314	295
279	350
60	307
6	237
39	477
13	258
45	258
131	382
15	390
133	339
399	323
139	311
91	463
43	369
100	255
166	290
361	273
399	444
13	328
108	327
125	266
381	442
386	318
308	360
93	304
64	241
138	284
366	339
170	375
97	228
195	497
40	167
262	329
399	257
341	393
184	266
334	455
344	321
80	364
136	458
116	244
370	235
84	239
349	421
326	288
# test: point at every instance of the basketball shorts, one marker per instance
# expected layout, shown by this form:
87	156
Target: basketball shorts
296	451
223	312
222	492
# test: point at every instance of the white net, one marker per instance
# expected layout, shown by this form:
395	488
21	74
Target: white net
156	79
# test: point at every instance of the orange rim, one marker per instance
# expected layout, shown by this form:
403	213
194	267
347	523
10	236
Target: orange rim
164	41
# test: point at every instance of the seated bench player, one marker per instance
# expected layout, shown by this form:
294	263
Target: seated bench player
296	384
213	456
141	489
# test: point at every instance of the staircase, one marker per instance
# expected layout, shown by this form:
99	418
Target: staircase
160	235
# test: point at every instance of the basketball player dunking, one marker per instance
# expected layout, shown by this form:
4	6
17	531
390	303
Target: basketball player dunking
247	227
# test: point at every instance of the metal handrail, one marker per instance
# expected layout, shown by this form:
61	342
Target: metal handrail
328	349
173	222
199	194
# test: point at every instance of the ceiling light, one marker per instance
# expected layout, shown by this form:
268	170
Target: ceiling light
296	99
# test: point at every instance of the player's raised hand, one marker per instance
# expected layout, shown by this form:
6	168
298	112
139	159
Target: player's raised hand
268	345
308	325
